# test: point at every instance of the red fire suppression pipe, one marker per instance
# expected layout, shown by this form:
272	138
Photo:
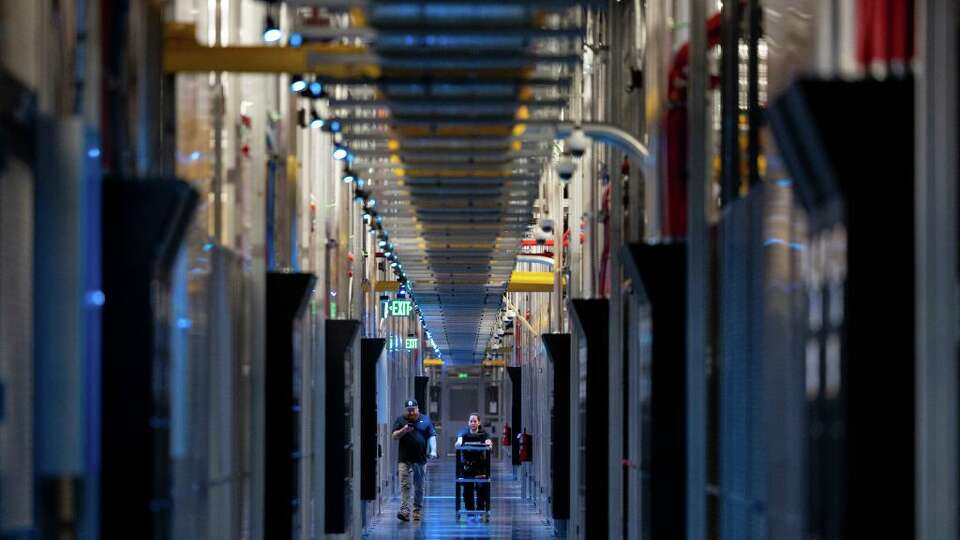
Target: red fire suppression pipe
605	255
675	133
884	32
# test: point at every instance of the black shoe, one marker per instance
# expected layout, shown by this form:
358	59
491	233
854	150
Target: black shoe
403	516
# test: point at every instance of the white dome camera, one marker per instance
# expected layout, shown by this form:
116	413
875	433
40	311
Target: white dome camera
540	235
546	225
565	167
543	230
577	142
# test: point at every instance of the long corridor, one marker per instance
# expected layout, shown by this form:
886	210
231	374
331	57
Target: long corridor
511	516
691	266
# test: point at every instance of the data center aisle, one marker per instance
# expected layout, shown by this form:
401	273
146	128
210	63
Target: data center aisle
511	516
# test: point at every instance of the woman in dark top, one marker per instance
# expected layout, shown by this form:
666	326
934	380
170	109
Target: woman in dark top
473	464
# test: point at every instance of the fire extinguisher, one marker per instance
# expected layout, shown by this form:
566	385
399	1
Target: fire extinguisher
505	442
526	446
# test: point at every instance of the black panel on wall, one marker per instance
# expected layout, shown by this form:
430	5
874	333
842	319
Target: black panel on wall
287	295
420	392
661	269
370	351
558	350
341	337
435	392
144	222
592	320
516	417
849	147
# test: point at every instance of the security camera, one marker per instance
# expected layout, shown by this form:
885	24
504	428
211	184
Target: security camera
541	235
565	167
546	225
577	142
543	230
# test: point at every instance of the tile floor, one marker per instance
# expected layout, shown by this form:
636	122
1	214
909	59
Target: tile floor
511	516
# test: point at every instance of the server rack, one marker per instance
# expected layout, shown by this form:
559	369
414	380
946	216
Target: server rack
342	494
659	277
849	147
144	223
591	318
287	294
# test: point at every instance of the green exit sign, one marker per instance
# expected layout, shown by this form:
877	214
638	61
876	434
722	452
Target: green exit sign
400	308
463	375
411	343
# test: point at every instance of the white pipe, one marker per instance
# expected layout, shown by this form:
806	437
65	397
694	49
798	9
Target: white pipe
521	318
607	134
535	259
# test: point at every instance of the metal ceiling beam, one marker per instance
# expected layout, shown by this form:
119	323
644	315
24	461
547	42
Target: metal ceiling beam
183	53
431	101
419	34
540	4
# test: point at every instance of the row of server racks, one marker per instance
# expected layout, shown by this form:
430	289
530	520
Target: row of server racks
754	374
178	454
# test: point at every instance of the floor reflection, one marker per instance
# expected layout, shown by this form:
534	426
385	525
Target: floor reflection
511	516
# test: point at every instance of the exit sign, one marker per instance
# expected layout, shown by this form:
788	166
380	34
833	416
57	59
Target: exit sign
463	375
400	308
411	343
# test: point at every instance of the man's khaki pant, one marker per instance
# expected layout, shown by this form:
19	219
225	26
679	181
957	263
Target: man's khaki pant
406	471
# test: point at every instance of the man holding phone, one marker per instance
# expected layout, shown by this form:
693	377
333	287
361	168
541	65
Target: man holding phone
417	439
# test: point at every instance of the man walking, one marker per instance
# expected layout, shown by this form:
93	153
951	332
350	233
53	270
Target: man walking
416	434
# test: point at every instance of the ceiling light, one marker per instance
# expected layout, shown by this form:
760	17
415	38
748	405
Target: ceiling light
315	121
271	32
297	84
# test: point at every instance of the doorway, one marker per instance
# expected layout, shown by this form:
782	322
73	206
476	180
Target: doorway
462	398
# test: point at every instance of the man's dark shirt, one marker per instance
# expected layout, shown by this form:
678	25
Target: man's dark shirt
413	445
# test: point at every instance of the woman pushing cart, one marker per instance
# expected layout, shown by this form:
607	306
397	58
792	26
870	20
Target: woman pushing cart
473	469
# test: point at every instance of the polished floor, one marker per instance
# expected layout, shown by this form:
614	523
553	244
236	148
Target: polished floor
511	516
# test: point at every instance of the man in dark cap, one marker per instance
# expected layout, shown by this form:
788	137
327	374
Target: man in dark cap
417	439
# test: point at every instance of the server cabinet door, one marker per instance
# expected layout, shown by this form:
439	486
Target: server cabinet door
287	294
342	497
